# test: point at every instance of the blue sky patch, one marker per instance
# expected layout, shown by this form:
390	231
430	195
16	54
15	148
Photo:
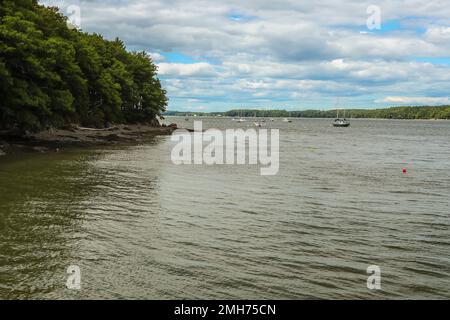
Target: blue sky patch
176	57
440	60
240	17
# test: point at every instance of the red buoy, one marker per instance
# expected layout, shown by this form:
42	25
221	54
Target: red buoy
404	171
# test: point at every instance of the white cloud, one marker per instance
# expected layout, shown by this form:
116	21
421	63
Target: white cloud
200	69
438	34
156	57
291	51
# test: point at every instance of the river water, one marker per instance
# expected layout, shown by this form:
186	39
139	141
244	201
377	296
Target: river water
139	226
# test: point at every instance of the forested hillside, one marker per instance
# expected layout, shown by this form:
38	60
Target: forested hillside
52	75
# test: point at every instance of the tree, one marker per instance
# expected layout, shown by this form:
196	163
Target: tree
52	75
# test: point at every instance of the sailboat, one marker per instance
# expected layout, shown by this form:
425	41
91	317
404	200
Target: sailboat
256	123
287	119
338	122
241	119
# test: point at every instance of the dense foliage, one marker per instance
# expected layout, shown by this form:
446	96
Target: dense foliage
51	75
442	112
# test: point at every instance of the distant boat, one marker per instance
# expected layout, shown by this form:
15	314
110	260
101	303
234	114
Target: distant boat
186	119
338	122
341	123
241	119
287	119
256	123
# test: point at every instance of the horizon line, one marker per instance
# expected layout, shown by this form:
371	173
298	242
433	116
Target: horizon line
303	110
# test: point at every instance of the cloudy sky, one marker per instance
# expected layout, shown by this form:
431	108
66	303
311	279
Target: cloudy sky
291	54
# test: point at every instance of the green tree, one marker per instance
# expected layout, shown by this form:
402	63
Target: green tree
52	75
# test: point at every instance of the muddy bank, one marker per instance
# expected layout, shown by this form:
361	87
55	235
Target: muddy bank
54	139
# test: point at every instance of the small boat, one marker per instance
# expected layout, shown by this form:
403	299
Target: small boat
338	122
341	123
186	119
255	122
241	119
287	120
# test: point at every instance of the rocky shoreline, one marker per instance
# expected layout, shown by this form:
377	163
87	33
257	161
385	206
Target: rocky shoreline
54	140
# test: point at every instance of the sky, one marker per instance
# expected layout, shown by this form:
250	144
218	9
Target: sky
285	54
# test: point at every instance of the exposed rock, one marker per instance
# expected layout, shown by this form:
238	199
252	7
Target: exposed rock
111	137
73	135
173	125
70	127
40	149
4	145
155	123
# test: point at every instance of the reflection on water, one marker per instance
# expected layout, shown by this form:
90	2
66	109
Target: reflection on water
141	227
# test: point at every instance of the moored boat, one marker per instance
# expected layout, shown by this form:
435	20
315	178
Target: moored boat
341	123
338	122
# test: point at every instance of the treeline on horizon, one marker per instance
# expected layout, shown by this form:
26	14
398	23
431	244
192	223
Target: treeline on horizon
420	112
52	75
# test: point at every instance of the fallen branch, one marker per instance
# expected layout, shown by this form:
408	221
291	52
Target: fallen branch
93	129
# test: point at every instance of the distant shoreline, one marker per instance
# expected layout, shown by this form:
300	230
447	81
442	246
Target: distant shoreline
399	113
372	119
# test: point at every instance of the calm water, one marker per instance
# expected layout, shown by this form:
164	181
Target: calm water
140	227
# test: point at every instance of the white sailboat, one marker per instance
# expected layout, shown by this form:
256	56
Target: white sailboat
256	123
241	119
287	119
338	122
